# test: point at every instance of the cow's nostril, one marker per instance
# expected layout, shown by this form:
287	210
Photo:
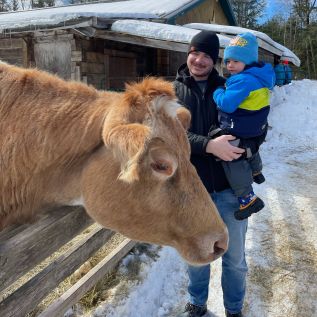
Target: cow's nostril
218	251
221	246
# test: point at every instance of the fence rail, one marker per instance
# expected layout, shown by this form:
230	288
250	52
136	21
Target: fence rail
24	247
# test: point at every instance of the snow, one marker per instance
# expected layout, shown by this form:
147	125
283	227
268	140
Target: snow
281	239
137	9
159	31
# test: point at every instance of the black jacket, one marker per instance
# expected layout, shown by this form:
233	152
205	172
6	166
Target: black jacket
204	115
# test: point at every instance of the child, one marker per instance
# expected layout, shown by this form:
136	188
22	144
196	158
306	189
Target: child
243	106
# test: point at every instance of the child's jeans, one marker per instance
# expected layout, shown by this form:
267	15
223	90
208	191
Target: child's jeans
239	173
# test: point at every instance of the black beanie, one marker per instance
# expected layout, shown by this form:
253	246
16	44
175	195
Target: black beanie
207	42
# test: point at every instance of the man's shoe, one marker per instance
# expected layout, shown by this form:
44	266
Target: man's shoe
234	315
192	310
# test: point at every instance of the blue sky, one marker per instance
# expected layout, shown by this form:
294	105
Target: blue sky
275	7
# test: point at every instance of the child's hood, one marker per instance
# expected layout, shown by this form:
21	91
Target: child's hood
264	73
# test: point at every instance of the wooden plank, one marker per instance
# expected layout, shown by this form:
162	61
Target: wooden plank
10	43
76	75
35	290
45	38
11	52
118	53
76	56
93	68
21	252
95	57
138	40
74	294
107	72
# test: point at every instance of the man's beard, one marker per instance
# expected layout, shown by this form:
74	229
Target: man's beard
201	74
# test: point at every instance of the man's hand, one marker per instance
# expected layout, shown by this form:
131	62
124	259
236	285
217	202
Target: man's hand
221	148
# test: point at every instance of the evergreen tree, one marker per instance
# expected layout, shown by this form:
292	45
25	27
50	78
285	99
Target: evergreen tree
294	33
43	3
4	6
14	5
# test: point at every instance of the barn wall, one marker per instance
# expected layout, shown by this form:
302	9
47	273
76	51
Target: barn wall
53	54
209	11
12	51
266	56
105	64
109	64
219	17
88	61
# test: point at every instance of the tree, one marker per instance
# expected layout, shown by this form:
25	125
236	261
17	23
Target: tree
304	10
4	6
43	3
248	11
290	32
14	5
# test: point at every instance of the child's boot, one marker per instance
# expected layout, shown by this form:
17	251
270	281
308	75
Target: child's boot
249	205
258	178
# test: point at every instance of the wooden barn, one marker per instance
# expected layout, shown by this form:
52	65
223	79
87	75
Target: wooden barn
107	44
82	46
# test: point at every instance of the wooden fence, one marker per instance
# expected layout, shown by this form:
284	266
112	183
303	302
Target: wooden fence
23	247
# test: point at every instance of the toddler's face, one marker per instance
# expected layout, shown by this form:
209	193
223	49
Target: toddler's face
234	67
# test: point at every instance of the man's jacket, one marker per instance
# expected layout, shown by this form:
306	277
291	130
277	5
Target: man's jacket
204	116
244	104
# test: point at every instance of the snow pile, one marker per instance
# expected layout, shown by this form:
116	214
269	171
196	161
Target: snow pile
159	31
293	115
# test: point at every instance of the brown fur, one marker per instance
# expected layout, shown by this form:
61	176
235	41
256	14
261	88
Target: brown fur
126	155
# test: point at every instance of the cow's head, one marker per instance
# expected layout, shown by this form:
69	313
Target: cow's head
142	183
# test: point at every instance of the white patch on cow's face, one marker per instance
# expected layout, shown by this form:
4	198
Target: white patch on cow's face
168	105
77	202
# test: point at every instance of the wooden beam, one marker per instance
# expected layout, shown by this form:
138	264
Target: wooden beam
73	295
149	42
21	252
35	290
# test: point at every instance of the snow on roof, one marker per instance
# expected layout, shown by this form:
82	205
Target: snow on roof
160	31
136	9
233	30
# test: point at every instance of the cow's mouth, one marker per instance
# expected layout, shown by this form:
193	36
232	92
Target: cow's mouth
197	254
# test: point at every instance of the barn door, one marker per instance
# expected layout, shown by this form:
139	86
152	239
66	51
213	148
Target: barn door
120	67
54	56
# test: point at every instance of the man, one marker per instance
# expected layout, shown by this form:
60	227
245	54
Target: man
195	83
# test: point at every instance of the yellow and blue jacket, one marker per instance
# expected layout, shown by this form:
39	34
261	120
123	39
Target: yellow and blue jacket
244	103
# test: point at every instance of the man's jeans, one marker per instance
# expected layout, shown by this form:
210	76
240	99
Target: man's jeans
234	267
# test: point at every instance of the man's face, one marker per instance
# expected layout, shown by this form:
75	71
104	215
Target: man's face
199	64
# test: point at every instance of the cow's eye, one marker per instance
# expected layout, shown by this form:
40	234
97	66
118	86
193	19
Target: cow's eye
159	167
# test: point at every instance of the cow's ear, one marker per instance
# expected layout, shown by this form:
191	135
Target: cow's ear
162	161
184	117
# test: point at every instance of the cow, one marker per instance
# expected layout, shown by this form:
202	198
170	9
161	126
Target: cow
124	156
